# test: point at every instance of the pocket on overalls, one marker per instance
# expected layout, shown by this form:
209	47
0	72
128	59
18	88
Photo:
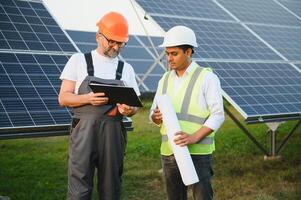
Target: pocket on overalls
74	123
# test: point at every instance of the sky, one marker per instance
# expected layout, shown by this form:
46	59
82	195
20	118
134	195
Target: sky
82	15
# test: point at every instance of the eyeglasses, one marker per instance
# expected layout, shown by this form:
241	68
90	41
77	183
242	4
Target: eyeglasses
113	42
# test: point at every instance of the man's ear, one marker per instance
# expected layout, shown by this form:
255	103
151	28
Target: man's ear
188	52
96	37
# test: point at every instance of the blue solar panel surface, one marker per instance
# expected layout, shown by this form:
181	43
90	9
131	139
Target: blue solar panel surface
29	26
33	52
222	40
260	83
260	88
286	40
260	11
292	5
29	88
191	8
139	56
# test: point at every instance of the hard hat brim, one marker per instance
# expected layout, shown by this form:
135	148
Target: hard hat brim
166	45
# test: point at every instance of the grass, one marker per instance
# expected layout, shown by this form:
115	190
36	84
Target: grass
35	169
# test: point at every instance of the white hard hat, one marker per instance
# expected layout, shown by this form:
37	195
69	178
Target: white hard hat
179	35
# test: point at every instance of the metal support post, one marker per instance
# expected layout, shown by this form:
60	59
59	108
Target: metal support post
273	143
284	142
274	151
272	130
246	132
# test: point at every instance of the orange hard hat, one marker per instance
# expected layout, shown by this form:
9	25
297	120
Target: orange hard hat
114	26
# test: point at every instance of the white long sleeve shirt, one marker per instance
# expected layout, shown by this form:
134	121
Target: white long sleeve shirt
209	97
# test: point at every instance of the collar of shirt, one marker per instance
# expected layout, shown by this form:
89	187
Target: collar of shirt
98	57
178	81
186	73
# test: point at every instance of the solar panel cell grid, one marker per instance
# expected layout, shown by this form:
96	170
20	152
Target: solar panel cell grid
152	81
222	40
27	90
260	88
294	6
258	11
191	8
31	80
286	40
141	67
21	119
29	26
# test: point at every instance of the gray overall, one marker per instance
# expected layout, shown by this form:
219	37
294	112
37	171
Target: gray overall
96	141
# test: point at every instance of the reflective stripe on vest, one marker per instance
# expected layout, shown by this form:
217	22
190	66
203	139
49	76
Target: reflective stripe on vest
183	115
190	118
206	140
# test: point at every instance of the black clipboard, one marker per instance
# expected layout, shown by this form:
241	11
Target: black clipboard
117	94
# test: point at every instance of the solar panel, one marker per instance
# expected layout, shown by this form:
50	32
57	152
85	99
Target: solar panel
138	52
250	56
258	11
260	89
29	89
222	40
292	5
152	81
191	8
286	40
84	40
28	26
33	52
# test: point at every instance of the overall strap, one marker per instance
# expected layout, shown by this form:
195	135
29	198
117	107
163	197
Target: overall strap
119	70
90	67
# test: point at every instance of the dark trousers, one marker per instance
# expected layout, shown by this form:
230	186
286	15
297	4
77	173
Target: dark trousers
96	144
175	188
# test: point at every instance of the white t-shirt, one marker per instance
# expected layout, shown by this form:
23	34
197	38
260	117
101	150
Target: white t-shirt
210	96
104	67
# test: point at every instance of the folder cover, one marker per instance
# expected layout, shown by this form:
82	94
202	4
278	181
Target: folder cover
117	94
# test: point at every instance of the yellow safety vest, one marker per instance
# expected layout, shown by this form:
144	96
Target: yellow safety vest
185	103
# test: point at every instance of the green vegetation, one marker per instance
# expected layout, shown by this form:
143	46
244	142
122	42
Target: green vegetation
35	169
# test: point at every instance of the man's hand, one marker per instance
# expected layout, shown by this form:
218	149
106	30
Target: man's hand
183	139
67	96
97	99
126	110
157	116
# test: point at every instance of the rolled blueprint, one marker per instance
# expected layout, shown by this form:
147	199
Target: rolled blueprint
182	155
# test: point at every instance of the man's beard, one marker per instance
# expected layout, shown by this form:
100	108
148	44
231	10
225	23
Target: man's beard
111	53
